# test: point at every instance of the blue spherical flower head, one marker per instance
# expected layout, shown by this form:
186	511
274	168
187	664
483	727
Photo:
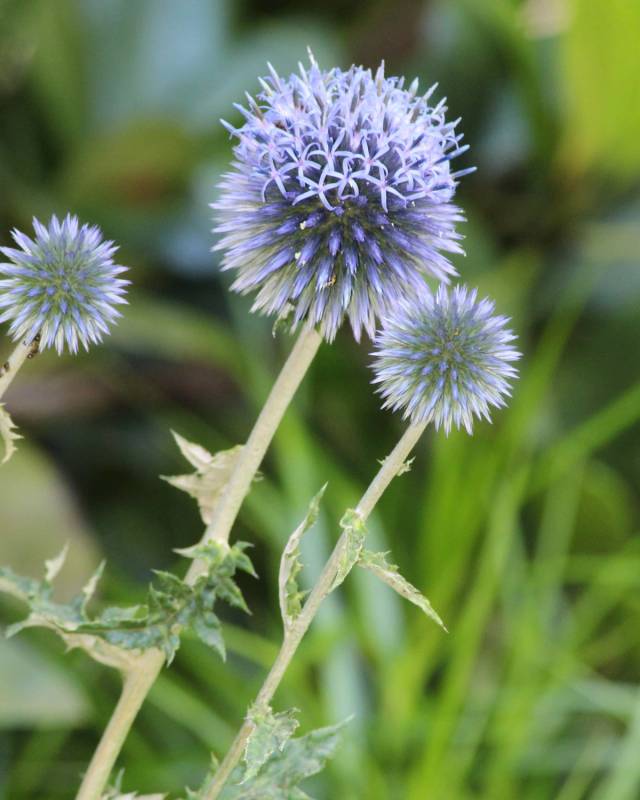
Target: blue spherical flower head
339	200
444	358
63	285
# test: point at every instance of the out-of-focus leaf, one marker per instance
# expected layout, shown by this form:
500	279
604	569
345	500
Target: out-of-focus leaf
38	516
57	72
154	59
141	165
390	574
290	565
601	61
35	692
212	474
186	334
270	734
354	531
8	434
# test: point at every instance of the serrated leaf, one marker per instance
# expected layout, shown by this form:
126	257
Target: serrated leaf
390	574
290	565
270	734
285	769
208	629
354	533
8	434
212	473
116	634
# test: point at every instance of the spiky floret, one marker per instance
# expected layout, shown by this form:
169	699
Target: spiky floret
63	284
339	199
444	358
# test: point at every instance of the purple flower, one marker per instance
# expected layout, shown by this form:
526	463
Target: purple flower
444	358
339	198
63	285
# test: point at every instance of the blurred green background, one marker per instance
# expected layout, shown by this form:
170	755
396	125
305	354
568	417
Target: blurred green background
525	537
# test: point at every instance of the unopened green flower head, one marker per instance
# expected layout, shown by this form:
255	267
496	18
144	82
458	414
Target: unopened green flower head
445	358
62	285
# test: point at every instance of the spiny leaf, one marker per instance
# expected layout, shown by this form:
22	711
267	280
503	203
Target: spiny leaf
390	574
270	734
8	434
354	533
113	635
290	565
285	769
212	473
53	566
89	589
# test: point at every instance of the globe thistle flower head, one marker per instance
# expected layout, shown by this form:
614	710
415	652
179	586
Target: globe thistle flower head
63	285
445	358
339	200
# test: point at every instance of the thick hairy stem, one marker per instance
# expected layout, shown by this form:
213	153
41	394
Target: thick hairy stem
23	350
145	674
389	469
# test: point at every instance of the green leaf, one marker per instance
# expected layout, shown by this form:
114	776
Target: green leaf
208	629
212	473
270	734
290	565
114	634
285	769
389	574
8	434
36	692
354	533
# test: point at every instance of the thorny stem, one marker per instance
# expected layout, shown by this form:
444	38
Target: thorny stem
293	636
143	674
23	350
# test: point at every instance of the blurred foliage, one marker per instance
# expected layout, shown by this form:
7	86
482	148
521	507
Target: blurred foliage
524	536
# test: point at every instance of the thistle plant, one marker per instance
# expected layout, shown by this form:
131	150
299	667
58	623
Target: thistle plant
60	289
471	341
339	205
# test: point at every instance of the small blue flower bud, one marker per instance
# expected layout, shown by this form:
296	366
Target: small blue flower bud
444	358
62	285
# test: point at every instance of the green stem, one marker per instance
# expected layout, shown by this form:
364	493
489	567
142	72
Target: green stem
389	469
23	350
256	446
135	688
143	675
